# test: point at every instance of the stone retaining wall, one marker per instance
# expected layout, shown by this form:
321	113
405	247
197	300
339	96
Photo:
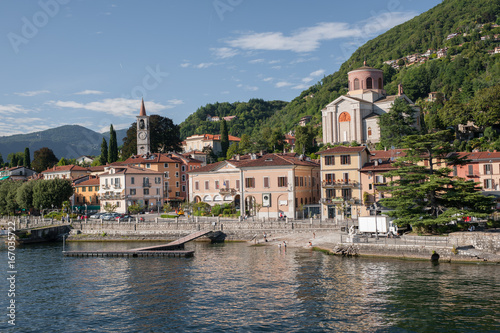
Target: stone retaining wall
485	241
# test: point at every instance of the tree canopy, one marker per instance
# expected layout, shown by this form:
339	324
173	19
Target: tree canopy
397	123
43	159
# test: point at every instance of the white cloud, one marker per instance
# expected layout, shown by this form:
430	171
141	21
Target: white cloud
204	65
309	39
175	101
247	87
303	40
23	125
256	61
89	92
267	79
319	72
114	106
13	108
276	67
224	52
301	86
282	84
32	93
185	64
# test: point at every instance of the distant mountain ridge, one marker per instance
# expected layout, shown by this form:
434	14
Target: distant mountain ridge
68	141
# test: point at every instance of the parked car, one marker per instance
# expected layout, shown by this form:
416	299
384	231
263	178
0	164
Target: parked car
125	217
97	215
110	216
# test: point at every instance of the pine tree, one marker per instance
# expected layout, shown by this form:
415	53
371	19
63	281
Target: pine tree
426	197
224	138
397	123
103	159
113	146
27	158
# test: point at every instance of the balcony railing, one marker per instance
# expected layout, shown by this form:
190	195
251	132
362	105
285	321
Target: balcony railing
340	183
226	191
340	201
146	184
111	197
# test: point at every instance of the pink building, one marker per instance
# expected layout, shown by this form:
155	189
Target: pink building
265	186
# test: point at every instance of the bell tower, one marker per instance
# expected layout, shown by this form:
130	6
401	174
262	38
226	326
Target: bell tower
143	131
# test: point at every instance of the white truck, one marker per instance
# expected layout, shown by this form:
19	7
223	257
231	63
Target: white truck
383	227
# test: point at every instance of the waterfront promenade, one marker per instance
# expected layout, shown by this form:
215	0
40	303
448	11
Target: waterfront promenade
328	236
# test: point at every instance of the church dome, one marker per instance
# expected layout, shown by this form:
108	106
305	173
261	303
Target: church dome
366	78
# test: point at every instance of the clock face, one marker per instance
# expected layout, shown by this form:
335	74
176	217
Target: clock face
142	135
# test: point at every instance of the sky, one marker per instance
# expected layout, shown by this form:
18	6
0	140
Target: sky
89	63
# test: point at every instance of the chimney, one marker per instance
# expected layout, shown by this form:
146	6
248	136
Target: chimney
400	89
375	163
237	157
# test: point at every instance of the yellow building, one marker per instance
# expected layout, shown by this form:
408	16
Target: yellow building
341	191
87	193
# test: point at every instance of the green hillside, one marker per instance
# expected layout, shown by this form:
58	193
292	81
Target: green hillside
466	69
249	115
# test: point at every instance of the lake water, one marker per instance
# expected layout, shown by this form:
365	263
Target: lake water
234	287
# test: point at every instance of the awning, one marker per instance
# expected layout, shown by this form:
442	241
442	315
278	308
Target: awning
4	177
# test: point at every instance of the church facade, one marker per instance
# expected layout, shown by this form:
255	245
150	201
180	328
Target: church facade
355	116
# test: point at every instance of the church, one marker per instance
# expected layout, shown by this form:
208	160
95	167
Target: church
354	116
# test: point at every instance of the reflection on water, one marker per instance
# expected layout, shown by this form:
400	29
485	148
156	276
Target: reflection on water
236	287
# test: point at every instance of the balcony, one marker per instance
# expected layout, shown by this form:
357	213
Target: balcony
340	201
111	197
146	184
226	191
341	183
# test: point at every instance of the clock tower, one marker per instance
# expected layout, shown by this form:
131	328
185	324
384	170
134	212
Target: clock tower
143	131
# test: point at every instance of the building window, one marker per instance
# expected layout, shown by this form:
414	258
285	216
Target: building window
132	191
177	194
250	182
132	180
237	184
329	160
146	191
165	165
157	180
296	181
282	182
455	171
227	184
183	168
370	134
356	84
166	174
330	177
183	178
330	193
370	186
177	165
345	159
183	188
487	169
346	193
345	176
266	182
157	191
488	183
77	199
177	184
148	165
196	185
301	181
145	181
177	174
369	83
90	188
207	185
96	188
216	184
471	170
84	189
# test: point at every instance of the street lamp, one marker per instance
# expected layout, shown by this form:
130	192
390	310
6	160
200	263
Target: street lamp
85	211
374	207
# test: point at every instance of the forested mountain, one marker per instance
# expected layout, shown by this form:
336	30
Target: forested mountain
69	141
249	116
466	69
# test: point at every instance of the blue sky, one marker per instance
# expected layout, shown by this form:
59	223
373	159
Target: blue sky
90	62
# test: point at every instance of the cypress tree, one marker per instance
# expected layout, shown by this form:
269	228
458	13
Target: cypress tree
104	152
13	161
224	138
113	146
27	159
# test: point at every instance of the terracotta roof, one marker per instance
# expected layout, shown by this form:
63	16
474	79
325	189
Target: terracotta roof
481	155
387	154
384	166
143	109
61	168
152	158
216	137
89	182
131	170
343	149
